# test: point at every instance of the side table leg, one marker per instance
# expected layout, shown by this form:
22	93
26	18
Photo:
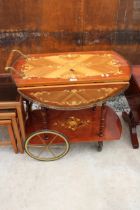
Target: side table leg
21	122
44	117
12	138
132	127
16	132
45	120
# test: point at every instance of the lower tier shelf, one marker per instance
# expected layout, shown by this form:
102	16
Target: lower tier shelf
77	126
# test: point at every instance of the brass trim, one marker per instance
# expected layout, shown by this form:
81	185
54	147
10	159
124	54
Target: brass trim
13	69
22	54
98	102
73	85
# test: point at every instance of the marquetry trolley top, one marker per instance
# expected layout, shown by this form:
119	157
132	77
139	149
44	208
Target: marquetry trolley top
70	80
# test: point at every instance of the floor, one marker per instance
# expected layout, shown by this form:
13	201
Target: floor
83	180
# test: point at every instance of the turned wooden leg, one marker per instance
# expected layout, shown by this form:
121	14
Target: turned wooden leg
44	117
102	121
45	121
12	138
28	107
17	135
21	122
132	127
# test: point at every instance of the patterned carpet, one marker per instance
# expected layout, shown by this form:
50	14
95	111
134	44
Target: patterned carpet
119	103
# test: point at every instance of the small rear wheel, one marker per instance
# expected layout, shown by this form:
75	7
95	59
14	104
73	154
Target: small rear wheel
46	145
100	146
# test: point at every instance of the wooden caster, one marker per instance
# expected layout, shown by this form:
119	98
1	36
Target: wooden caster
100	146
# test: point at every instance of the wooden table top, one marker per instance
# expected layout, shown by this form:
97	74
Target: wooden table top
71	68
71	80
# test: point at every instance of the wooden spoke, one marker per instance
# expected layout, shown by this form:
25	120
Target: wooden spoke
42	140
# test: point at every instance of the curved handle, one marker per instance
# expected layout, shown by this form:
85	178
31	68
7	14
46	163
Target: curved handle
10	68
13	69
10	59
22	54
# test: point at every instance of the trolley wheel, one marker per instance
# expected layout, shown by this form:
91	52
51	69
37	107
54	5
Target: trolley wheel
46	145
100	146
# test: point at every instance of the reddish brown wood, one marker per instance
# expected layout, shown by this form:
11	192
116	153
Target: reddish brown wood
70	80
56	120
110	75
11	115
10	99
54	26
123	76
100	17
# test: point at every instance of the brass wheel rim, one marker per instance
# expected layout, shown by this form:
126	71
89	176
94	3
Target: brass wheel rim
46	147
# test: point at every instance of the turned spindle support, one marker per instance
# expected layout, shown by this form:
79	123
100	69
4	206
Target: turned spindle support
102	121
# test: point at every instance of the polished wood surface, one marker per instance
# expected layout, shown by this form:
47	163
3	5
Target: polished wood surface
63	25
68	68
73	97
10	99
11	115
69	80
78	126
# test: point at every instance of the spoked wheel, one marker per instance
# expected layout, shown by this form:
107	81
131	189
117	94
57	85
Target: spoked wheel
46	145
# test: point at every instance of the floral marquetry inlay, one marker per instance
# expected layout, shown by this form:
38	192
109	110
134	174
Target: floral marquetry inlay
72	123
71	67
72	97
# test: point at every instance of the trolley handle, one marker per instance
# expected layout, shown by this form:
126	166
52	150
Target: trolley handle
11	59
